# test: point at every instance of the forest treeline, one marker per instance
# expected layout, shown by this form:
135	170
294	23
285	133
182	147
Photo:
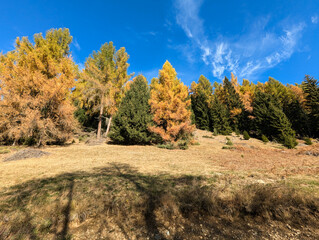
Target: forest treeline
45	98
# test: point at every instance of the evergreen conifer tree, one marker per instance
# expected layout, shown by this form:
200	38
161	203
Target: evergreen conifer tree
271	121
131	122
201	94
232	101
219	118
201	110
311	90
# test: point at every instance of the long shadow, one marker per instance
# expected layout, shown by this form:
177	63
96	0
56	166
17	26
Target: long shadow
103	192
153	196
67	211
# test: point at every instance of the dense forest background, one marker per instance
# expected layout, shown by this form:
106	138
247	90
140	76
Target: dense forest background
46	98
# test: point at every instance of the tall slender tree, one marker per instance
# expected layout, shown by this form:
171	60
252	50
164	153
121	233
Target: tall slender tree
200	98
311	90
170	106
219	115
104	78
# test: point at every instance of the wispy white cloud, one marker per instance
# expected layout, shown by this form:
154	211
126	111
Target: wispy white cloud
247	55
314	19
76	44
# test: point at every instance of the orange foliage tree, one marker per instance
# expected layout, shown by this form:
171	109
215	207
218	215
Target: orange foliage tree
170	106
35	85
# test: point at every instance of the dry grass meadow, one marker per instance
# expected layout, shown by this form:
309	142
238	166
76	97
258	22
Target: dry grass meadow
254	191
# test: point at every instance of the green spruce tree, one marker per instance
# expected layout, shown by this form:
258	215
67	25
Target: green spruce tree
219	118
201	111
271	121
201	94
133	118
311	89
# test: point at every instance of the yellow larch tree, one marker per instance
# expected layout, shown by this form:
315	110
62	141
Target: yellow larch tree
170	106
35	86
103	80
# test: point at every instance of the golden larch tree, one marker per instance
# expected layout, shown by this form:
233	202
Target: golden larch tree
170	106
35	86
103	80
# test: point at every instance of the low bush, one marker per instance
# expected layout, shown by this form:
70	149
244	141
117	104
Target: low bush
182	145
215	132
229	142
169	146
289	141
228	147
208	137
264	139
246	135
308	141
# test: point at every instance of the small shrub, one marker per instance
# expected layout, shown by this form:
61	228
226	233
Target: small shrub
308	141
182	145
289	141
169	146
237	132
264	138
246	135
229	142
83	138
215	133
228	147
195	143
207	136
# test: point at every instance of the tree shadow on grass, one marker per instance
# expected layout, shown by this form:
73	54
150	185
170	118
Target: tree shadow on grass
118	202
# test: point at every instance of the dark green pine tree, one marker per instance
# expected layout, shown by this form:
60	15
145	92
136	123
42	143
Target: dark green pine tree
298	118
201	110
311	89
219	118
202	91
271	121
133	118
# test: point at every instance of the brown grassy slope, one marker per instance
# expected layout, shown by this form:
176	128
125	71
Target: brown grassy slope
251	156
141	192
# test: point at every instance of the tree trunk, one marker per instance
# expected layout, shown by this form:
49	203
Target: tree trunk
39	143
99	127
108	126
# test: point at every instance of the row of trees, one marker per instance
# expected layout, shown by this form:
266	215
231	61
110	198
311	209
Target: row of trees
43	93
271	109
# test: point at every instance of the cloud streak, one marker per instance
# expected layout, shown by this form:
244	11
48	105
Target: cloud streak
247	56
76	45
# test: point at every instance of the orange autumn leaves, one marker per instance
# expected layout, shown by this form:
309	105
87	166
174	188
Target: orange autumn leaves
35	86
170	106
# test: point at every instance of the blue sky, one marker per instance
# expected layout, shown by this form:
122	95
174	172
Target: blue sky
254	39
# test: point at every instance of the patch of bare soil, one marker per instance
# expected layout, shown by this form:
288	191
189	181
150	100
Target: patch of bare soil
26	153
